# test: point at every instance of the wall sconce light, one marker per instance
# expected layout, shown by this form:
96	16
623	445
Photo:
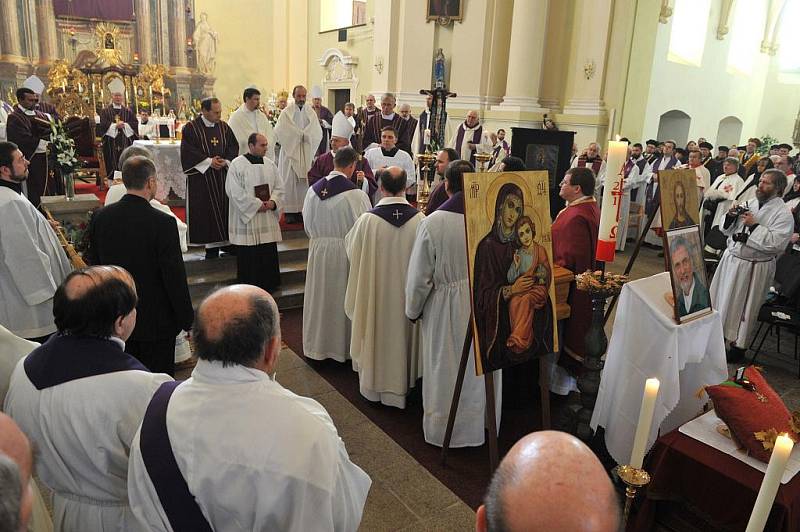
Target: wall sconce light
378	64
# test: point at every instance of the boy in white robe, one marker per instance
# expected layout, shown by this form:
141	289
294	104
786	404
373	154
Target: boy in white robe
251	454
383	343
331	208
253	220
249	119
388	154
299	134
438	295
80	397
32	263
747	267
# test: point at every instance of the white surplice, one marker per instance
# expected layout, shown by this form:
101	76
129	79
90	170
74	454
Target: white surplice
483	146
383	343
83	430
299	134
633	181
377	160
725	188
746	270
32	265
148	131
244	123
247	226
326	329
12	349
255	456
437	289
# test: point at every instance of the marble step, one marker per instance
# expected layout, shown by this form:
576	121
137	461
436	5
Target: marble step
293	278
291	249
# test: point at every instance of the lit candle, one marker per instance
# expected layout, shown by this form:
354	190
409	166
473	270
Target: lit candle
612	201
645	422
426	138
769	486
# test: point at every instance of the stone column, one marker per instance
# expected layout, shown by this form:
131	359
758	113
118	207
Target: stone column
9	31
589	57
144	33
46	25
177	22
525	56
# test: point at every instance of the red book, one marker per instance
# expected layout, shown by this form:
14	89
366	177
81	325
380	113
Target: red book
262	192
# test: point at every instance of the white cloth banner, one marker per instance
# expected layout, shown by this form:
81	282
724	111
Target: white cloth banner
646	342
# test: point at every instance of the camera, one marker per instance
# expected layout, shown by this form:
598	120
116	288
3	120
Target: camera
739	210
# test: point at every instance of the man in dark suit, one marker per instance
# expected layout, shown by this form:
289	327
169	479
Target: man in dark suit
692	293
144	241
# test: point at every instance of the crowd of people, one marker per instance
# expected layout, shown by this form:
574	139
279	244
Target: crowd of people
92	350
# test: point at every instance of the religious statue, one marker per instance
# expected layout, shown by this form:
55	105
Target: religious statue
439	94
438	70
206	40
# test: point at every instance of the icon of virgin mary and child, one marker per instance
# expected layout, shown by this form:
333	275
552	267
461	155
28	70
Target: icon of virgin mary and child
513	310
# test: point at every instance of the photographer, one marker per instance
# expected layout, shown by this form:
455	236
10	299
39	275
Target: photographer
758	231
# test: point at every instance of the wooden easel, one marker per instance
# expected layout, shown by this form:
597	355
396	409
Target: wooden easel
491	416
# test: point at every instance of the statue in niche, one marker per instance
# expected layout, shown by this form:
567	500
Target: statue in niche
206	41
109	41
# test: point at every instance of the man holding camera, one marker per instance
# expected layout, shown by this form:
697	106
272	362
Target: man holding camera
758	231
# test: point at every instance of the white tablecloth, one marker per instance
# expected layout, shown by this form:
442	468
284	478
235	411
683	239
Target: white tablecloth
646	342
704	429
170	174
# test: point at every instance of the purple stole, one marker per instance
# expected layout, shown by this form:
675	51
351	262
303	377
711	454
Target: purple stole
178	503
65	358
596	163
396	214
476	139
454	204
327	188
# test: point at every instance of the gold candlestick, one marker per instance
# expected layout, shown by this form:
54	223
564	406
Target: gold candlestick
425	161
634	479
482	158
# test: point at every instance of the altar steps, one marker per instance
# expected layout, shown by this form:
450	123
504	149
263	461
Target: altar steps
206	275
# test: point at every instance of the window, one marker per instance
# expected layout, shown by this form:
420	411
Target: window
339	14
789	38
746	34
688	31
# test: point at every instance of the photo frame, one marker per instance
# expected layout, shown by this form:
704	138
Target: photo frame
510	259
680	201
683	251
445	11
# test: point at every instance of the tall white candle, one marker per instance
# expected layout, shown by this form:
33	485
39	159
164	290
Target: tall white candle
426	138
770	484
612	201
645	422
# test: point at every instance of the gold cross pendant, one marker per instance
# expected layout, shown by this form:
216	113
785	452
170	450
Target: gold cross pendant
214	141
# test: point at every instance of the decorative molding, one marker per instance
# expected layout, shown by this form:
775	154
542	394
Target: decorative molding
666	11
339	70
725	12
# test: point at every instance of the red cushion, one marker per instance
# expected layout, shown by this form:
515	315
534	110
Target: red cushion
747	412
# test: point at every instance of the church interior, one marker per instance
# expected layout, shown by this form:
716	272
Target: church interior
631	345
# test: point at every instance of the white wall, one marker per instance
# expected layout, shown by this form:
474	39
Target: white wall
711	92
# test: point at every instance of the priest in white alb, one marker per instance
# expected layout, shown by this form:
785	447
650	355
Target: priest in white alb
330	210
384	344
249	119
437	294
389	154
755	239
299	133
255	193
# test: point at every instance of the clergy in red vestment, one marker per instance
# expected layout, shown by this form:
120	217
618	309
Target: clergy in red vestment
387	118
207	148
363	177
574	234
30	131
119	126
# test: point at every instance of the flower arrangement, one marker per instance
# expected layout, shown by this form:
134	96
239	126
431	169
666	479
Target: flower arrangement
600	284
272	115
64	148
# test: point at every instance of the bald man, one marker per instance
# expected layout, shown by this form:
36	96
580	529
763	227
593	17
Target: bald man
16	465
80	397
236	450
470	138
542	473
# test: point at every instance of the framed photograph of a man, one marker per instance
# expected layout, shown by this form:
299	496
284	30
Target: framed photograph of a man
684	253
510	267
680	199
445	9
